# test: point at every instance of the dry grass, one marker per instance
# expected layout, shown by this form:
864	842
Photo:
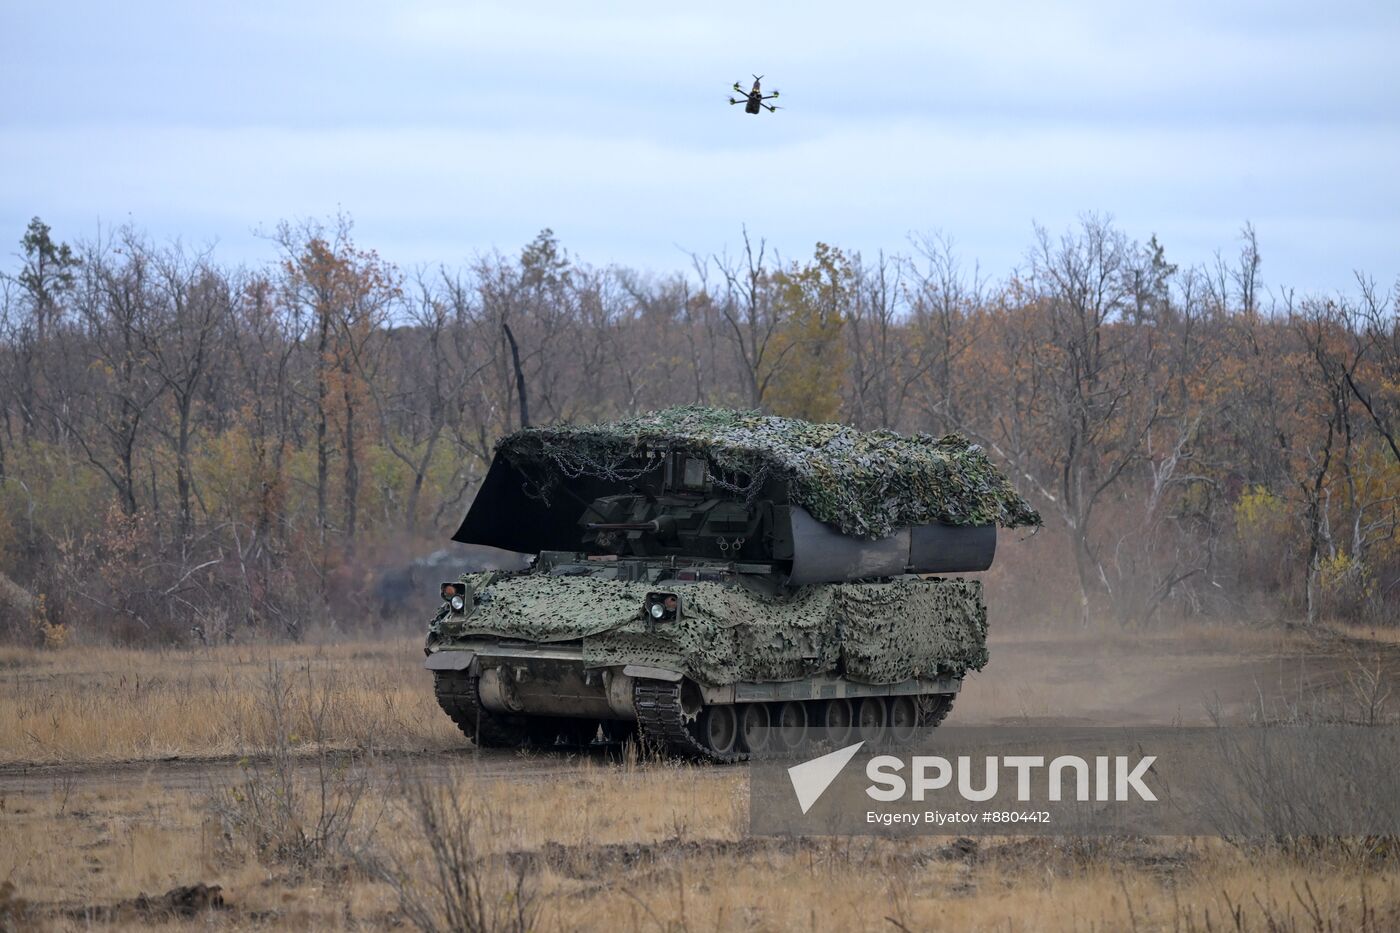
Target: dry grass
1369	635
102	704
602	844
659	847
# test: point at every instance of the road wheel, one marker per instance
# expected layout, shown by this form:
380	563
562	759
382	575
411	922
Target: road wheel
792	725
719	728
837	722
870	720
754	728
903	719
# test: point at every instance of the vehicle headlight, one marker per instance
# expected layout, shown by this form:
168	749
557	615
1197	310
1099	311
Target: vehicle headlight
457	604
662	607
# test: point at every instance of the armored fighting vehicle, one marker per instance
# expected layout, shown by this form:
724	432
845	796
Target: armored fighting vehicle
724	583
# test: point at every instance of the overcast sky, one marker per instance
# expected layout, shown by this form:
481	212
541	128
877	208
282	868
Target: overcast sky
445	129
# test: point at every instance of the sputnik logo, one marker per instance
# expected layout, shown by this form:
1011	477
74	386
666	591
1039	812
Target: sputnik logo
810	779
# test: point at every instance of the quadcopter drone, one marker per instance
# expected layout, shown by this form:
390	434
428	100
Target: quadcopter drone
753	100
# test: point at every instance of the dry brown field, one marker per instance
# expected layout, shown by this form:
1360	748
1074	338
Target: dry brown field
320	787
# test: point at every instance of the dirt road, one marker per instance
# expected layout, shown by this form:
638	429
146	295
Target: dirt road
205	774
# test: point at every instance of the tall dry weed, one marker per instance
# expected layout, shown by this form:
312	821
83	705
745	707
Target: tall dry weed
440	872
287	809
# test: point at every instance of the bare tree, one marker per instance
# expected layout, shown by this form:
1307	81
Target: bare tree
180	338
1096	395
426	381
104	409
1374	328
942	300
751	320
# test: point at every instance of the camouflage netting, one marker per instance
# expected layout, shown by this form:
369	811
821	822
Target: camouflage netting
726	634
885	635
877	633
866	483
540	607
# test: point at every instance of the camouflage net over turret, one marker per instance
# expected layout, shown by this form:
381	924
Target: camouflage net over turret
865	483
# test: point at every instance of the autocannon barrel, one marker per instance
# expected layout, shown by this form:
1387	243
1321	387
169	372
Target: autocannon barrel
652	525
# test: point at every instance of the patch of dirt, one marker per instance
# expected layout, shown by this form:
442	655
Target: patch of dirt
1060	854
1121	683
178	903
15	911
592	862
960	849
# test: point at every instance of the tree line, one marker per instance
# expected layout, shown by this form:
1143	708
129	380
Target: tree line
239	450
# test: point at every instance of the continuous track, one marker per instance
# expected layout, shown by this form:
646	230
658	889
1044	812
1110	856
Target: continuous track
661	718
457	695
664	722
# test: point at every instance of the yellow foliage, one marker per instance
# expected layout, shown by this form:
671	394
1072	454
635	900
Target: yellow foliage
1342	570
1260	514
51	488
51	635
1376	476
808	364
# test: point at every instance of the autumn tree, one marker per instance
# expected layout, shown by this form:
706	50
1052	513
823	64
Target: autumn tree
1372	326
345	294
807	366
1091	389
429	372
105	408
1346	474
180	337
942	328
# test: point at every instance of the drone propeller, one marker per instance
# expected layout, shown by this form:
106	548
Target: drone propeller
738	88
732	101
